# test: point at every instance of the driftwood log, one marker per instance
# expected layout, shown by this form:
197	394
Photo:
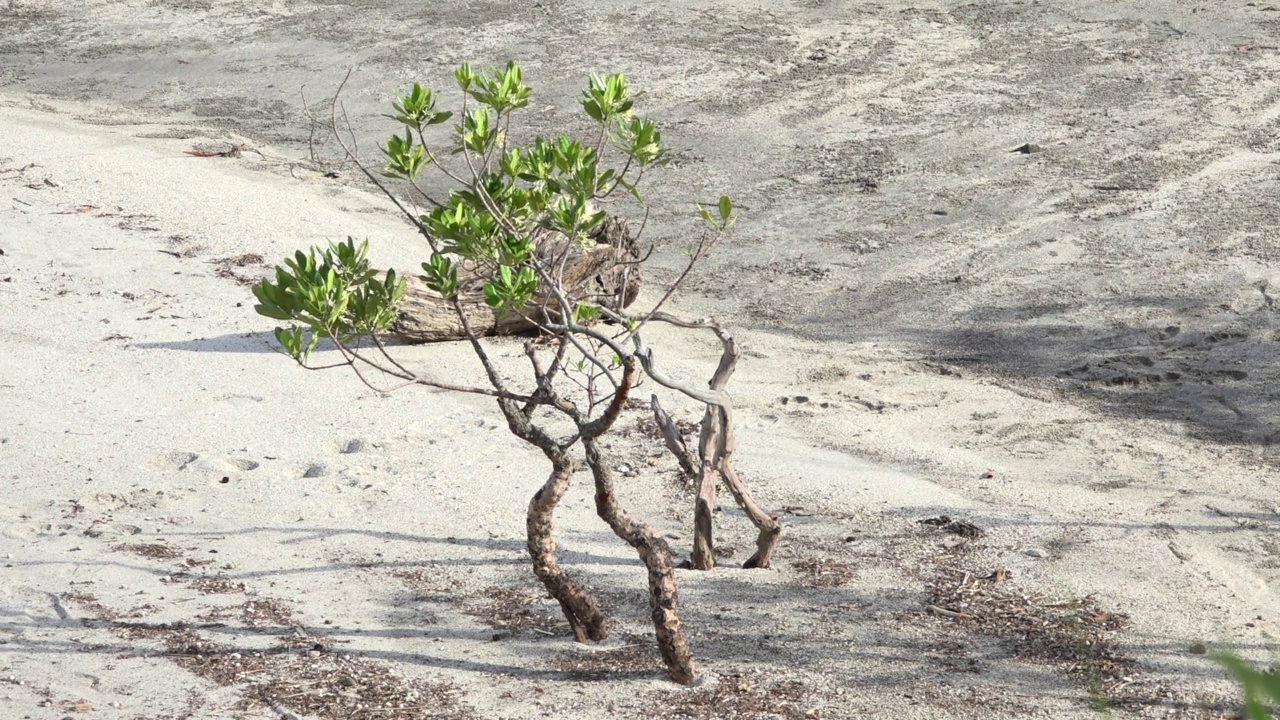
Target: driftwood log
607	273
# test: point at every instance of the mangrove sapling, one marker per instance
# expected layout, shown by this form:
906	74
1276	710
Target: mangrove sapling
504	244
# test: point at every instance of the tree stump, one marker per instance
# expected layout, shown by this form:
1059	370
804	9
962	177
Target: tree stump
607	273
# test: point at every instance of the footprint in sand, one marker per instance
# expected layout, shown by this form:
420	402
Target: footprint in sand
193	462
805	405
353	445
227	465
181	459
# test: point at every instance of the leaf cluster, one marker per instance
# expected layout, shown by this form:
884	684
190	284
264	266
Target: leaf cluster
514	193
331	293
507	198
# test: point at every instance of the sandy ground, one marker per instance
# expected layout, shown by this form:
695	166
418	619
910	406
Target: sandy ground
1071	348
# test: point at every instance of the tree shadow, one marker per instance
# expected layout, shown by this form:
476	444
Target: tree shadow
1212	371
259	342
748	629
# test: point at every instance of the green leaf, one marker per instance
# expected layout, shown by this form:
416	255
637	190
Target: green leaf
415	109
477	130
1261	690
492	295
726	208
583	313
442	276
464	76
271	311
439	117
606	98
331	293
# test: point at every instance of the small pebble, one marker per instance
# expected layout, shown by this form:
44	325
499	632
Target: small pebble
1036	553
1198	649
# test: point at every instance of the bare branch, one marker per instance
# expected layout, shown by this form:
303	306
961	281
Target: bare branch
351	153
673	440
600	425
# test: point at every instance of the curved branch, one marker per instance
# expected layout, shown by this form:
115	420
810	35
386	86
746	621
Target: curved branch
600	425
656	556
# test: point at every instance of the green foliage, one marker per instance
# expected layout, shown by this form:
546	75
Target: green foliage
641	141
584	314
724	209
418	109
551	183
501	90
329	294
478	131
404	159
506	201
510	289
442	276
1261	689
606	97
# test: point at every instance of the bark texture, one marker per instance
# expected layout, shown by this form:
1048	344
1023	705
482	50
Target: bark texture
703	557
580	609
716	445
656	556
674	441
606	274
649	544
578	606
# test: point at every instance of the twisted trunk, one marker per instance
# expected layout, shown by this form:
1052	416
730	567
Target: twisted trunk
717	446
656	556
768	525
579	608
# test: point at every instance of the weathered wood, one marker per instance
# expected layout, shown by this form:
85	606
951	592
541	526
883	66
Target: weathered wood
704	506
674	441
606	274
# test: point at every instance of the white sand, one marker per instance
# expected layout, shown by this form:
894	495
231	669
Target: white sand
140	404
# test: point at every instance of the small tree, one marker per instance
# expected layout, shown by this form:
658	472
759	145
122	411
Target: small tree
501	247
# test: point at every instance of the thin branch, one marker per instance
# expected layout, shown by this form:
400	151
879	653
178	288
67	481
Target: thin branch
600	425
412	378
414	184
673	439
618	181
638	261
544	385
350	153
434	161
383	349
699	252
